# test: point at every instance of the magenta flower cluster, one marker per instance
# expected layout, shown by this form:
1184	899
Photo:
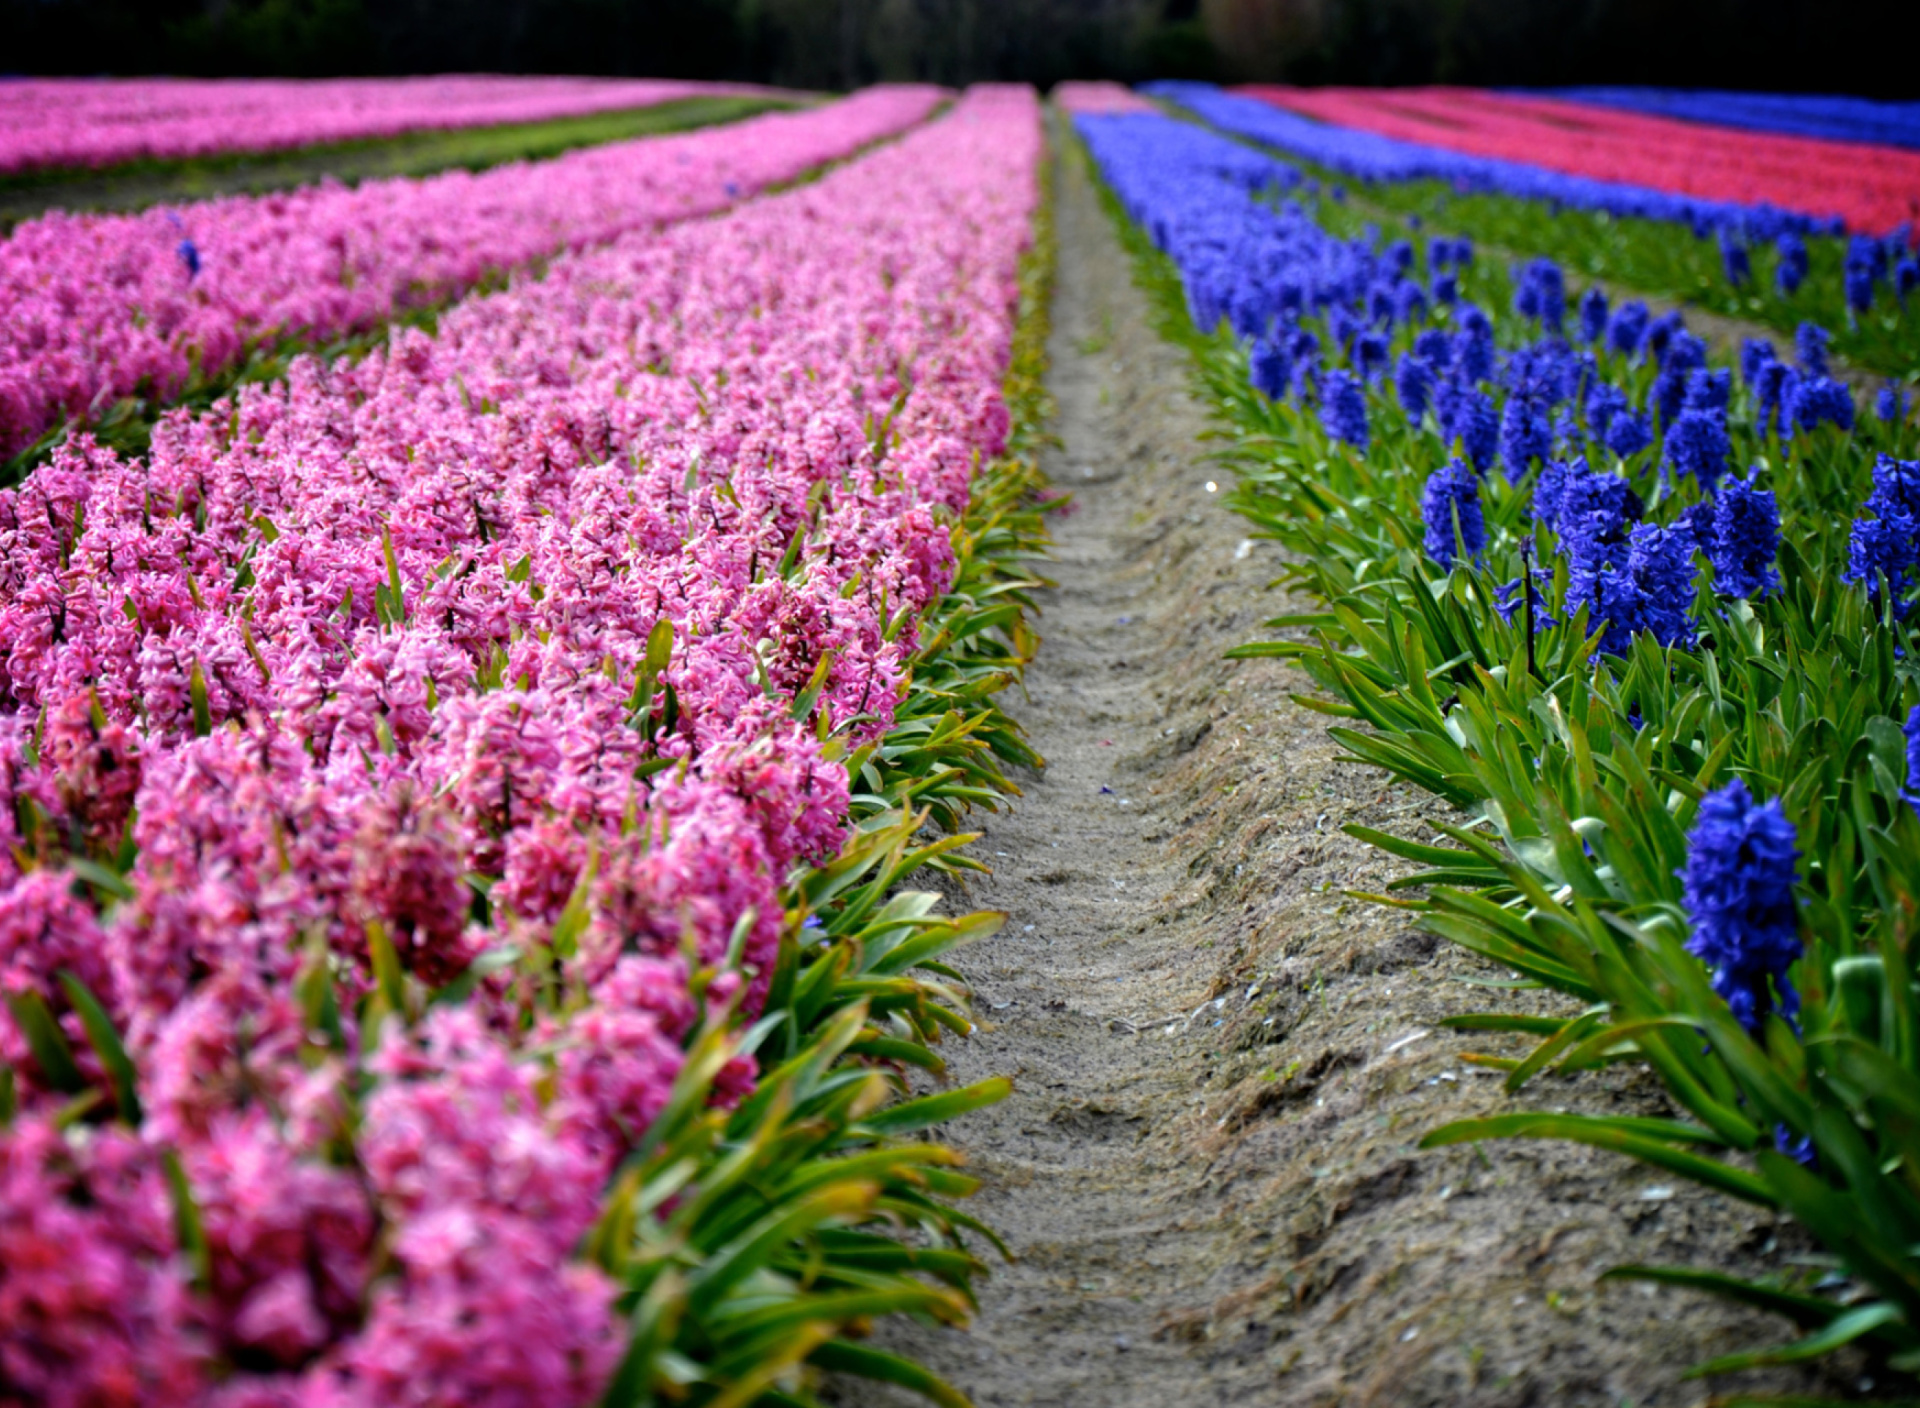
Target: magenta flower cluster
55	122
97	307
361	659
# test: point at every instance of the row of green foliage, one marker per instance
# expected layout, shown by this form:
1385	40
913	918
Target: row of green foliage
1655	258
755	1246
127	425
1579	776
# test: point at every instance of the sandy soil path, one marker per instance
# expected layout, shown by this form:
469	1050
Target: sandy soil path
1222	1065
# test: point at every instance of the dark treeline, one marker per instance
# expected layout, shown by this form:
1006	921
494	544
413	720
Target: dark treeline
1860	46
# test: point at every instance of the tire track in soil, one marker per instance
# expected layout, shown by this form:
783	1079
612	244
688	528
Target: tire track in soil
1221	1066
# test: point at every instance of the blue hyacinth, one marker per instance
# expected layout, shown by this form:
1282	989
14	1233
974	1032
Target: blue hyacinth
1660	334
1542	293
1270	368
1891	403
1627	328
1628	433
1697	445
1810	346
1452	491
1737	887
1473	349
1548	491
1886	545
1746	538
1603	506
1771	388
1434	347
1413	381
1604	402
1685	354
1906	278
1593	315
1696	520
1446	289
1791	271
1380	304
1755	354
1568	436
1660	563
1343	409
1733	257
1820	401
1370	354
189	253
1409	302
1509	597
1912	790
1708	390
1524	436
1474	423
1859	286
1865	267
1595	582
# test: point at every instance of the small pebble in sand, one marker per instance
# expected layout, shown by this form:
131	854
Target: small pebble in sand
1212	488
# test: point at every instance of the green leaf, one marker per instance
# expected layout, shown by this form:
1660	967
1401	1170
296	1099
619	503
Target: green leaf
1632	1137
188	1229
1843	1330
103	879
388	976
844	1357
46	1041
804	701
651	1329
731	1264
106	1045
930	1110
1805	1311
197	696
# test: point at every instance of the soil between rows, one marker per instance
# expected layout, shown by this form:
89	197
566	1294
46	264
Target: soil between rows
1222	1065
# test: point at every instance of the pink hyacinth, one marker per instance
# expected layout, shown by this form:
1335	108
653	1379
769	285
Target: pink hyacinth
369	645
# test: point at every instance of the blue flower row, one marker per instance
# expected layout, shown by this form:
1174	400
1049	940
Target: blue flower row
1839	119
1321	317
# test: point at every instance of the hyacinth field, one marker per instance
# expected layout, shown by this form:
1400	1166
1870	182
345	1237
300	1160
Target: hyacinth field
1637	608
509	678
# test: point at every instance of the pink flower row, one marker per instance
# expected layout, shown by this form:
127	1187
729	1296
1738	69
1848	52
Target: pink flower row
1101	97
341	658
63	122
95	307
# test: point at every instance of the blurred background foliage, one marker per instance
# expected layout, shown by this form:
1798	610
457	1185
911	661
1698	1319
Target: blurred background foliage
1859	46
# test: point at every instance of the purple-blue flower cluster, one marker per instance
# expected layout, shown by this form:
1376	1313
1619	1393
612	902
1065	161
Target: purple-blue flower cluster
1452	495
1737	887
1343	409
1884	544
1745	540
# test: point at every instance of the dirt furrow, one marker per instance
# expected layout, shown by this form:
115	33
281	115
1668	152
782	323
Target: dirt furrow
1222	1065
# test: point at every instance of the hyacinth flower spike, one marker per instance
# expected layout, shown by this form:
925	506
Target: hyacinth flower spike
1911	792
1738	892
1450	507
